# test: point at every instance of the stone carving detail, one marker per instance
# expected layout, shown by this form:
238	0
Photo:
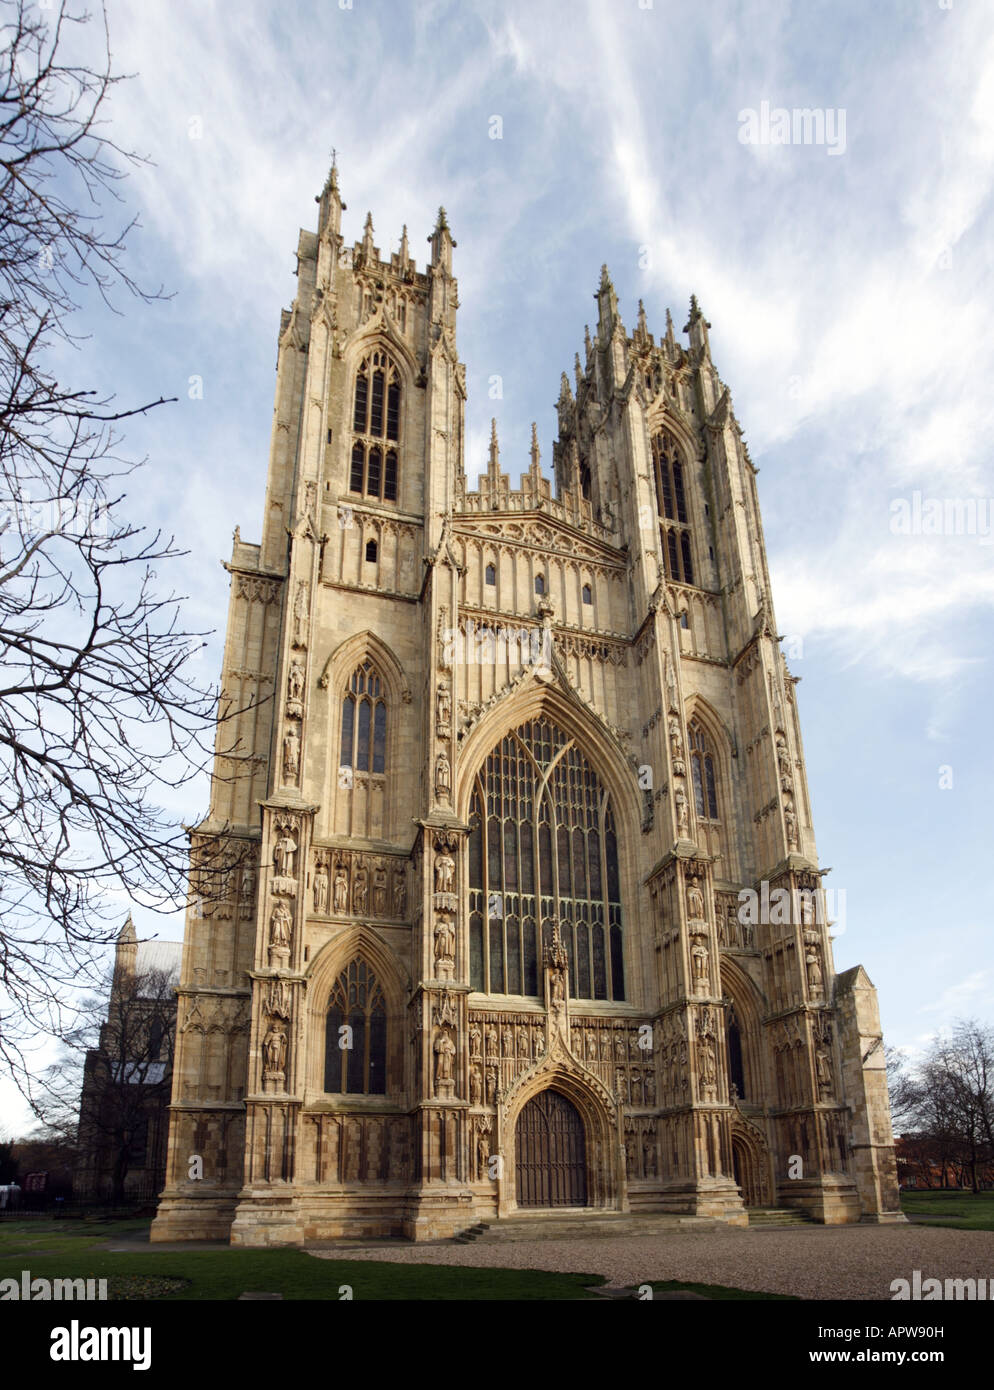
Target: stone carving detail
707	1056
483	1127
361	884
445	947
301	614
695	901
257	590
285	855
246	900
682	811
445	1051
783	763
295	689
676	747
640	1148
274	1049
702	974
443	710
278	998
280	933
291	754
321	884
790	819
360	889
475	1085
443	778
380	908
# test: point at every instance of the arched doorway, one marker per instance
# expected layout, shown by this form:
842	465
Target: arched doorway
749	1169
551	1153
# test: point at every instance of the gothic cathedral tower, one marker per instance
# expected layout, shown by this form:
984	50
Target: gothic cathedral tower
508	894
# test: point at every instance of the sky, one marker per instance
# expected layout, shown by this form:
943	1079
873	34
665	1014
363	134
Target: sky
847	284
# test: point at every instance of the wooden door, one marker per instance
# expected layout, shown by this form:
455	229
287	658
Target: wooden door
551	1153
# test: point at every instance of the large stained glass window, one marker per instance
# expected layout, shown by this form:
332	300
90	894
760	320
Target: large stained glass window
543	845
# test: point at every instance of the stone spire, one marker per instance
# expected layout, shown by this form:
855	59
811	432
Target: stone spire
607	306
697	326
442	243
331	205
535	467
404	259
368	249
493	466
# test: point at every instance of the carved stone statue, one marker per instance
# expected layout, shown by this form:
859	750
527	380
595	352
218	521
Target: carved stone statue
399	893
522	1042
443	777
823	1070
699	953
291	753
285	853
278	998
783	762
682	811
443	705
295	680
790	818
445	1050
301	603
491	1085
274	1050
379	889
445	872
491	1041
445	940
280	926
709	1070
341	888
475	1039
813	964
359	889
507	1041
695	900
321	885
475	1086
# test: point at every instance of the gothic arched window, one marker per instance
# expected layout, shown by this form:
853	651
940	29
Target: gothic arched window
672	505
702	768
543	847
373	470
736	1071
364	722
355	1053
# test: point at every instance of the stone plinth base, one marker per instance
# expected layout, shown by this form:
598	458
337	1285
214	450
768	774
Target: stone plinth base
719	1200
185	1216
832	1202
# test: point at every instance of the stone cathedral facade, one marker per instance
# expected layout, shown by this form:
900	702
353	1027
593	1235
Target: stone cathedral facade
505	773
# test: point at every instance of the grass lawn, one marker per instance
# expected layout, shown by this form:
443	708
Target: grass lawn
962	1210
64	1250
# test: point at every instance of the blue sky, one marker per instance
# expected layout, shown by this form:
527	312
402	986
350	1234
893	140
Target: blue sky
849	296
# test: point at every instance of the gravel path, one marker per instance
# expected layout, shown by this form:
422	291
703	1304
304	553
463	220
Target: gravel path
811	1262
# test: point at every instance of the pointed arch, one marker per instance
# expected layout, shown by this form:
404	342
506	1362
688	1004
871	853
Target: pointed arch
547	844
358	944
347	655
749	1009
709	753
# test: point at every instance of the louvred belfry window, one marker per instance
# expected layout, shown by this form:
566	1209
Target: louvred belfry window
543	845
355	1057
674	527
374	466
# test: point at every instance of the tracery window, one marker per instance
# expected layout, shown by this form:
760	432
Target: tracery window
373	470
355	1054
364	722
543	845
702	769
674	528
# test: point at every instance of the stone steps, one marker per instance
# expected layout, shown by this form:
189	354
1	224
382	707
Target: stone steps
580	1224
778	1216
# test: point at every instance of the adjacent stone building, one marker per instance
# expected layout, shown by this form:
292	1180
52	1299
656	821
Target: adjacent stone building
516	900
127	1077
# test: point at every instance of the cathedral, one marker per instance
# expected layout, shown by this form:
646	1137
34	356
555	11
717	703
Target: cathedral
507	897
